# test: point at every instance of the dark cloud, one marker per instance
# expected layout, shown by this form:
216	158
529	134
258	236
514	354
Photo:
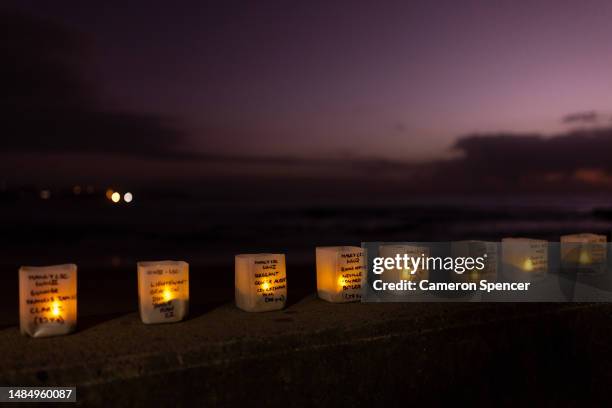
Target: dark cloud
512	160
48	105
584	118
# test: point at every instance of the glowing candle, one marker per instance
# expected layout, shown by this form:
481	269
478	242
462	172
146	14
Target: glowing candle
525	258
476	249
412	251
48	300
163	291
583	250
340	273
260	282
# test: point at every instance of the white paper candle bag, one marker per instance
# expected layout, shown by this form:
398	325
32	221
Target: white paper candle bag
47	300
340	273
397	274
475	249
163	291
583	249
260	282
524	258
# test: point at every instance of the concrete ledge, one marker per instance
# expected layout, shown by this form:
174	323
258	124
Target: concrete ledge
319	353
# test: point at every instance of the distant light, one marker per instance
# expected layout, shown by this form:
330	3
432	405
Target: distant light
76	190
128	197
109	193
45	194
116	197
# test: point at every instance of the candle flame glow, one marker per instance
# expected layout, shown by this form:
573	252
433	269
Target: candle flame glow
55	309
341	281
528	265
167	295
265	286
584	257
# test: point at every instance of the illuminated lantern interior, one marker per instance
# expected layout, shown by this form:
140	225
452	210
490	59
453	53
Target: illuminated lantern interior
55	309
163	291
476	249
396	274
48	300
340	273
524	258
260	282
583	250
585	258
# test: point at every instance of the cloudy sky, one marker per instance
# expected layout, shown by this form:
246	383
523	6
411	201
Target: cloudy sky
143	90
367	79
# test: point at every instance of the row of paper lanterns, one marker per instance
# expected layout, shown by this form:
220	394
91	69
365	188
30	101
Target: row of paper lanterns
48	295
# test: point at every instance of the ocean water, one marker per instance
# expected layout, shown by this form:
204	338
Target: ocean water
93	231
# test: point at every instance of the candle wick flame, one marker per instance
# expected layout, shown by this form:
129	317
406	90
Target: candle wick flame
55	309
584	257
167	295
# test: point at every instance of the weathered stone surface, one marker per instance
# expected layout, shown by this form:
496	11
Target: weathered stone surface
315	352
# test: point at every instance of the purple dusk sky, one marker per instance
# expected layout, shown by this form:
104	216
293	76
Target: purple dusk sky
368	79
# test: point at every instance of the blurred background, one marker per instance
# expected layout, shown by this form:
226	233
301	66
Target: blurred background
200	130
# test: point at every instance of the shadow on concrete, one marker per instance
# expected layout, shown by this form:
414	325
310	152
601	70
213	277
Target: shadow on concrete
8	327
296	297
199	310
88	322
